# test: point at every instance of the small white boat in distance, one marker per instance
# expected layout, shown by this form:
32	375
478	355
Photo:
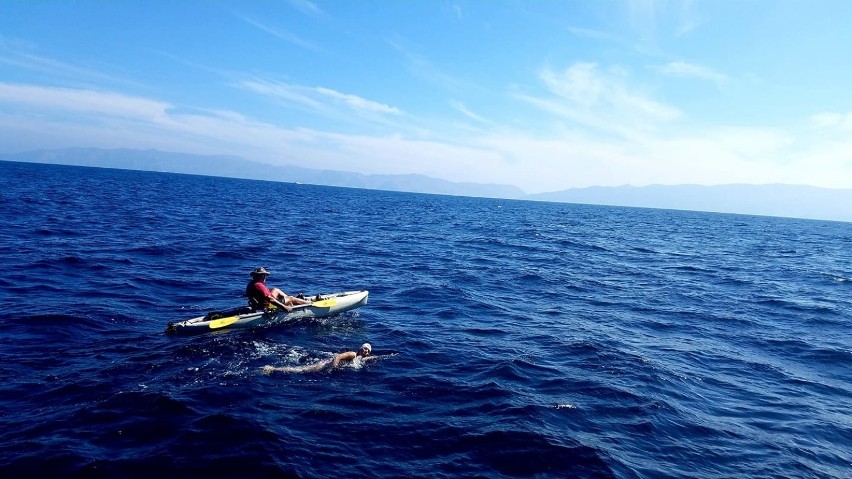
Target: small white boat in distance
245	317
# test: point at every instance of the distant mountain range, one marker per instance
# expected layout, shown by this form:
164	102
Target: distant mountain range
237	167
792	201
766	200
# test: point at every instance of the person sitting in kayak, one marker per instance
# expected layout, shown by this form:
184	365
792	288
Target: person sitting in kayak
353	358
260	296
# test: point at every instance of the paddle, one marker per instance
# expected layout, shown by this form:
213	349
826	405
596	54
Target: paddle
324	303
222	322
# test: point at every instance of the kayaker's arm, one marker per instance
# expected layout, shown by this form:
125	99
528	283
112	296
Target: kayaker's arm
279	304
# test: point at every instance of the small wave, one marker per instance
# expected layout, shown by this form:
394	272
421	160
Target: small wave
575	245
688	268
800	305
486	332
837	278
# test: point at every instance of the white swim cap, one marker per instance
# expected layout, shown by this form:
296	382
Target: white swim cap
367	346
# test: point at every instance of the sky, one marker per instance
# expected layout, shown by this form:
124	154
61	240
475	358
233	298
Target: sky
545	95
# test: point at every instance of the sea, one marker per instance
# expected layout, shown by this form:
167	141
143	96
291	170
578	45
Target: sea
514	339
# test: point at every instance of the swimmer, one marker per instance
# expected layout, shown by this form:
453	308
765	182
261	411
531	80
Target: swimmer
355	358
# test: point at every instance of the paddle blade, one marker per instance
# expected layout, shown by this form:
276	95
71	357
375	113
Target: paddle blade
222	322
325	303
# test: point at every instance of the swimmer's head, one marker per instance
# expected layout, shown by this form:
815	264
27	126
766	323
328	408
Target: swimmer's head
366	348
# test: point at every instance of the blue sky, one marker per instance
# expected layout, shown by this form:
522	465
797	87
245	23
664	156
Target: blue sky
545	95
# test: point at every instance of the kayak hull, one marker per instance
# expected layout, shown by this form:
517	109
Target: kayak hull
244	317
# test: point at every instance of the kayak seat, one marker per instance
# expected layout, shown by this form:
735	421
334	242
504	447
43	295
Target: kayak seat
254	305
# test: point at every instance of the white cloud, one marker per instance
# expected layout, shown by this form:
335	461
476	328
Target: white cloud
709	157
841	121
688	70
583	84
282	34
20	54
535	160
421	67
687	18
604	101
356	102
82	101
595	34
99	117
285	92
319	99
307	7
460	107
651	21
106	119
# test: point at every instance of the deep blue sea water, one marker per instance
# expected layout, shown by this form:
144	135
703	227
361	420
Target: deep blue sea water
530	339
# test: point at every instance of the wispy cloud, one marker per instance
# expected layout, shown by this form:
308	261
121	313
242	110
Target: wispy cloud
687	17
281	33
107	119
356	103
422	68
307	7
601	100
595	34
840	121
74	117
466	112
319	99
643	18
456	10
103	118
649	21
82	101
23	55
689	70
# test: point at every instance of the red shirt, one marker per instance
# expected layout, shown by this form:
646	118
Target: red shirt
258	293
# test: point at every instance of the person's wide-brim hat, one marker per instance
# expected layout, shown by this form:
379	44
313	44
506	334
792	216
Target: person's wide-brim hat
260	271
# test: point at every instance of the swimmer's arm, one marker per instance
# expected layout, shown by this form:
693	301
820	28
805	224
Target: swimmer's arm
347	356
309	368
271	369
